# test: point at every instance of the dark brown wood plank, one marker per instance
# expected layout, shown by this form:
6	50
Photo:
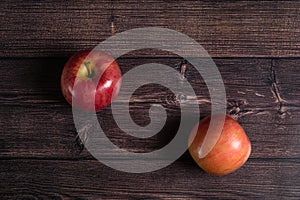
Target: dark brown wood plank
31	179
50	132
37	81
224	28
39	123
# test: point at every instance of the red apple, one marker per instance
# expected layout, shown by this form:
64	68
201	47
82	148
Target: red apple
90	80
229	153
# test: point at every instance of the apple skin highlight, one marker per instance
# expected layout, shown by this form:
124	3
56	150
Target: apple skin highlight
90	80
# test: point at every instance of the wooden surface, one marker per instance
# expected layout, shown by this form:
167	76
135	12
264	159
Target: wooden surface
224	28
255	44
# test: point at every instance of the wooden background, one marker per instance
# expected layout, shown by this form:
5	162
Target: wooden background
255	44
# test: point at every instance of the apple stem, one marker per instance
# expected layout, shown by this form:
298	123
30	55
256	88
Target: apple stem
86	64
183	69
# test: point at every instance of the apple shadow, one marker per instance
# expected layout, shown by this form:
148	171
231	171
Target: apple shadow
45	75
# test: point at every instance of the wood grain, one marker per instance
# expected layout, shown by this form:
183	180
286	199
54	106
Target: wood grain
256	46
82	179
39	123
224	28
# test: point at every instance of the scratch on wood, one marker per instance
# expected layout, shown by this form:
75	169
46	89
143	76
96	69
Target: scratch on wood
234	105
240	92
282	111
236	110
259	95
203	101
251	90
81	138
